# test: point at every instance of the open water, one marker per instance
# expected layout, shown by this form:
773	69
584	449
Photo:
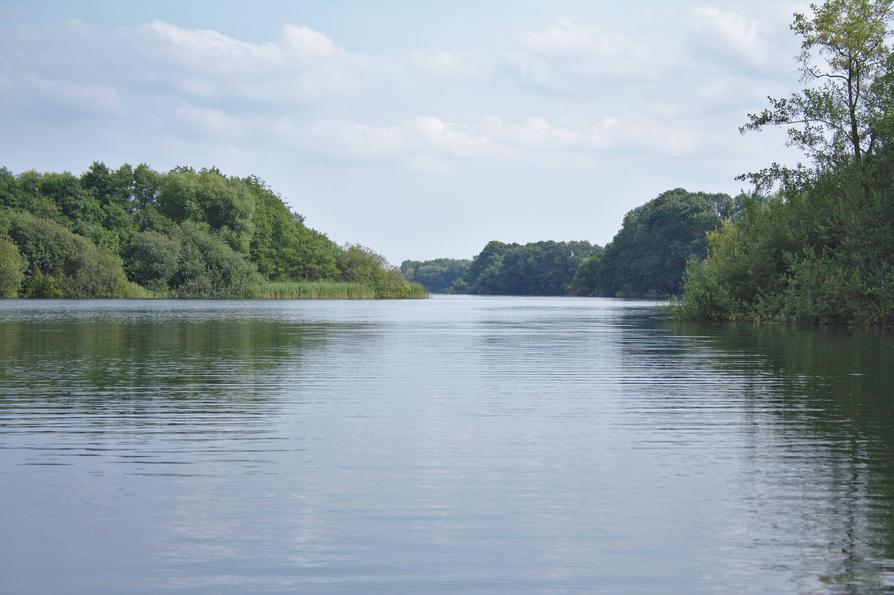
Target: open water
457	444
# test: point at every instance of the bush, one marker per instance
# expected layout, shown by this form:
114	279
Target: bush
151	259
12	268
361	265
209	268
823	254
62	264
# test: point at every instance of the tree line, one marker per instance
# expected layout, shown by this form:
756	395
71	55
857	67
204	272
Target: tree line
646	258
136	232
812	243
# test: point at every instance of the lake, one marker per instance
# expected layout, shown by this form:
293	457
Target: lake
457	444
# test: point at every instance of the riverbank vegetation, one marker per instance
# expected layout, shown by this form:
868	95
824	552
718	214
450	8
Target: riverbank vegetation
648	255
539	268
135	232
815	243
645	259
441	275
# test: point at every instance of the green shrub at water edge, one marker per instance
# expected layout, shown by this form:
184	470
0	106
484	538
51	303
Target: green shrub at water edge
359	264
815	243
208	267
60	263
151	259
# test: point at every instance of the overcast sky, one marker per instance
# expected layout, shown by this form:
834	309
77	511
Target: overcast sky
419	129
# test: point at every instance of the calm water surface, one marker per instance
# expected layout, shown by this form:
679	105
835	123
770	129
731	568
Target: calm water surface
455	444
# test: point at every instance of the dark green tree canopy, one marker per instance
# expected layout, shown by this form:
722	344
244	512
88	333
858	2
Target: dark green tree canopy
540	268
438	276
649	253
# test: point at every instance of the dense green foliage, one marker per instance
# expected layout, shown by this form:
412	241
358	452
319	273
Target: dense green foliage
438	276
63	264
824	254
540	268
134	232
646	258
815	244
152	259
361	265
208	267
12	267
281	246
648	255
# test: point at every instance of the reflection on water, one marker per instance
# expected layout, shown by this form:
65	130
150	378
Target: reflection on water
483	444
91	388
823	399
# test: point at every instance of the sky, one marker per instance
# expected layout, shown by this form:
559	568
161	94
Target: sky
418	129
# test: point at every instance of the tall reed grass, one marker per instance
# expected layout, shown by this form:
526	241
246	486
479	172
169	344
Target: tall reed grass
312	290
335	290
302	290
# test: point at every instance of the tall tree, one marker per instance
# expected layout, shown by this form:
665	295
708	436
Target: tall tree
821	249
838	117
648	255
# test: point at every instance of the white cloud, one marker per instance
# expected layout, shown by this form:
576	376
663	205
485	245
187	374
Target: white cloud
454	139
422	133
203	51
555	57
352	139
430	140
210	122
299	65
728	35
571	38
307	43
441	63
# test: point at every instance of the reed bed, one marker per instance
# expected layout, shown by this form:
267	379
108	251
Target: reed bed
335	290
302	290
313	290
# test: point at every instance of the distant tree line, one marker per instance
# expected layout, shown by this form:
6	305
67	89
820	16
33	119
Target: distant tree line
441	275
540	268
645	259
134	231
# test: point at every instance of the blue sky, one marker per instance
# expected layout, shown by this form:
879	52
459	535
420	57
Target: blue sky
417	129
